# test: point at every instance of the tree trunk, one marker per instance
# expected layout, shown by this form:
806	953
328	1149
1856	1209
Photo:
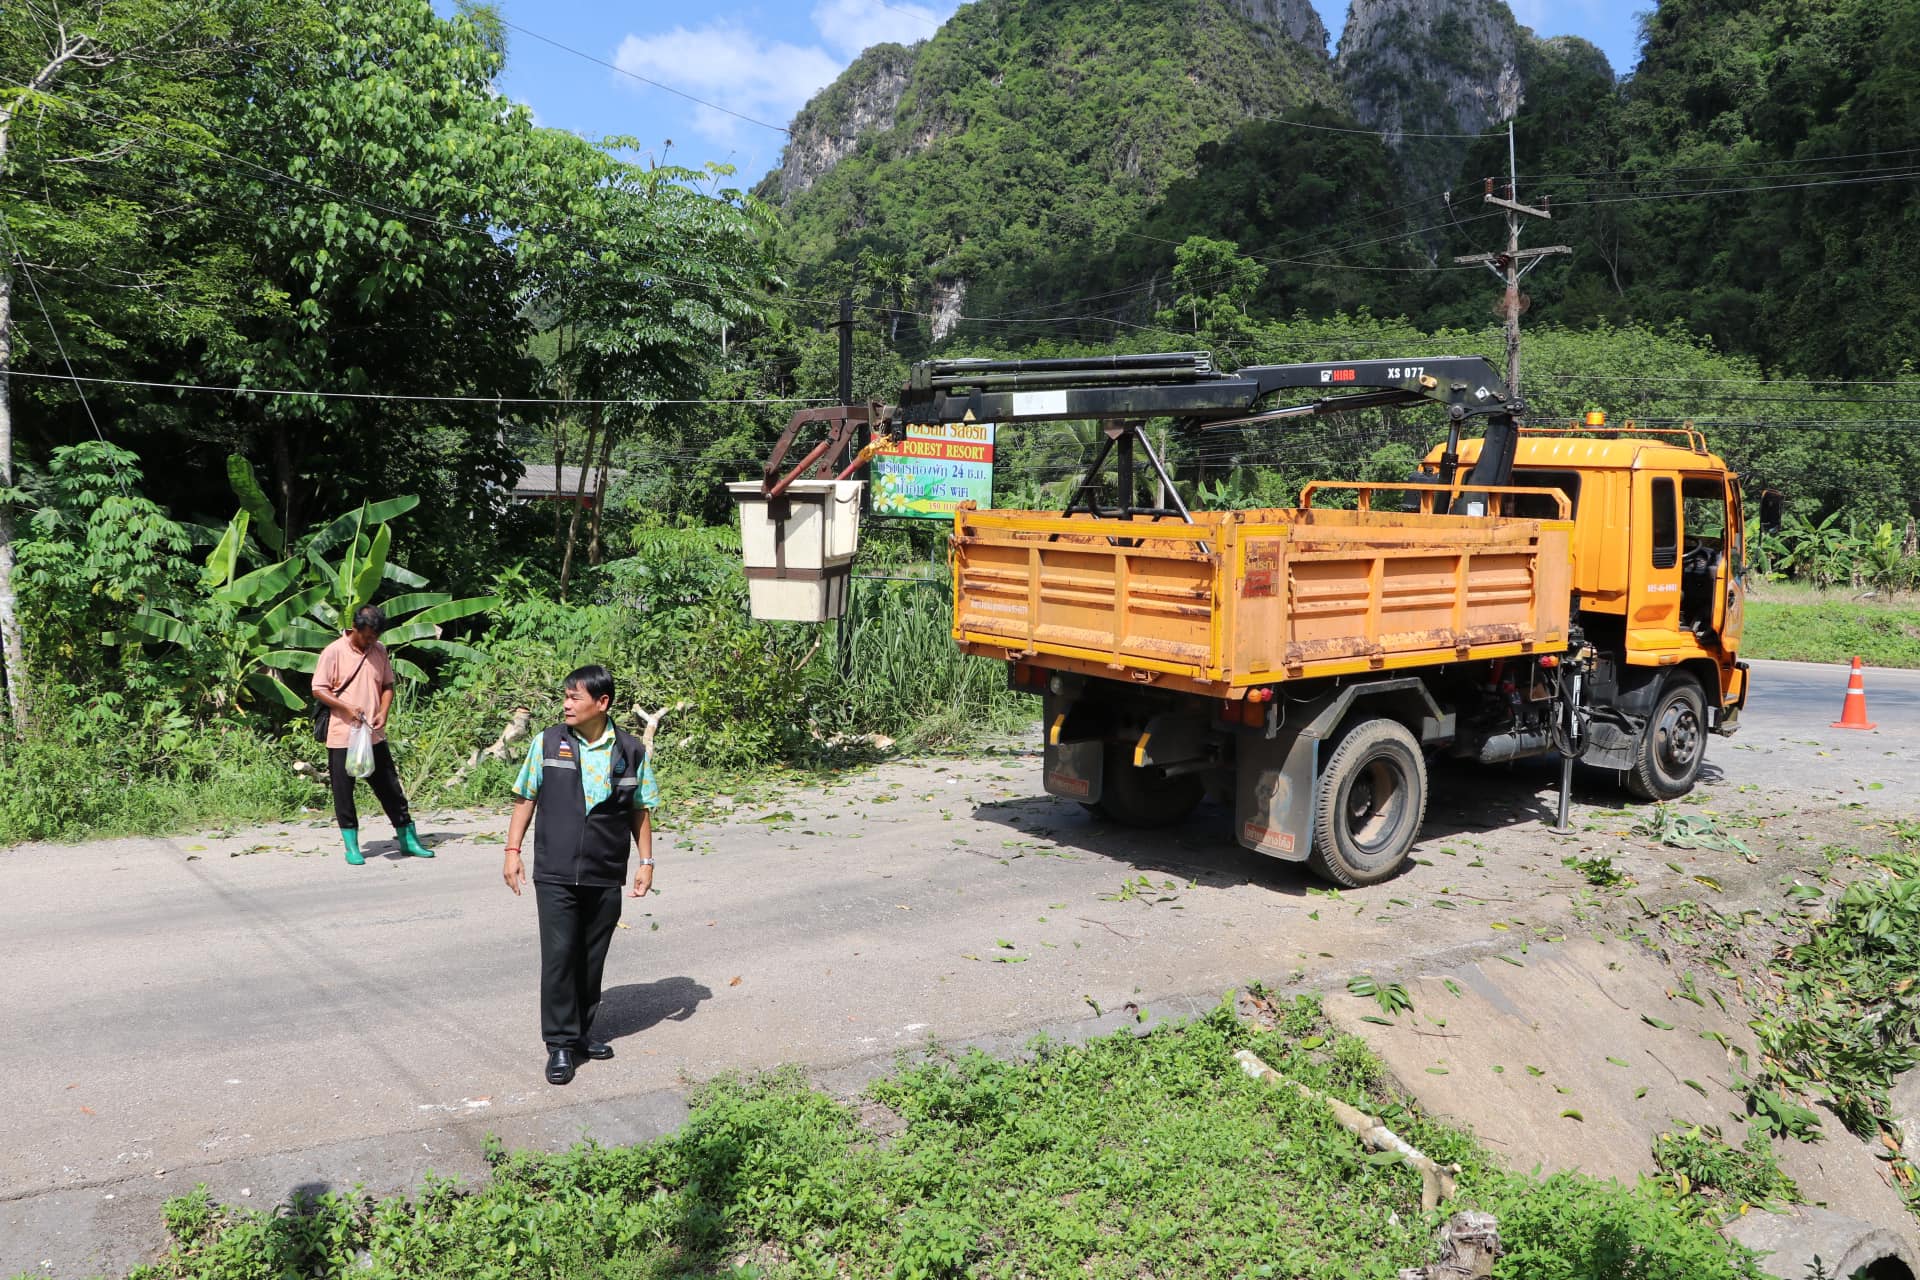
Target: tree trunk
579	495
560	439
289	456
599	496
559	461
10	641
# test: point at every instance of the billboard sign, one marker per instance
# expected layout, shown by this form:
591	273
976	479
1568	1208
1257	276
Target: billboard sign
932	469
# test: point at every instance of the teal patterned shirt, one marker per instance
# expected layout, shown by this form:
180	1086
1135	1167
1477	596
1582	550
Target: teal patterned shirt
596	771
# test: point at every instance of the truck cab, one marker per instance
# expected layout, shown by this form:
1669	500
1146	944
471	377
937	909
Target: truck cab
1658	576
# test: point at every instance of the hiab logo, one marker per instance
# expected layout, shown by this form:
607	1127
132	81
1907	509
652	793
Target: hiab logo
1337	375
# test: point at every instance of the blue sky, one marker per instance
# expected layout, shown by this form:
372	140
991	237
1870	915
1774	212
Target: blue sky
764	58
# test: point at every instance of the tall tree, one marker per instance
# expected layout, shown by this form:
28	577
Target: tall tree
83	87
654	264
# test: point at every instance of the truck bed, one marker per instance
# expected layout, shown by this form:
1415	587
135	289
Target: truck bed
1242	598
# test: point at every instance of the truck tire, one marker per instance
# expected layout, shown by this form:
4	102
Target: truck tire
1371	800
1673	743
1145	798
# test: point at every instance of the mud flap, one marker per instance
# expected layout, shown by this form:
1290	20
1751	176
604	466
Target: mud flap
1073	766
1273	797
1075	770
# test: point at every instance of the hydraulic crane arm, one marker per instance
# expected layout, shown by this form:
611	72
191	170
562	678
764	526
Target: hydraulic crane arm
1123	391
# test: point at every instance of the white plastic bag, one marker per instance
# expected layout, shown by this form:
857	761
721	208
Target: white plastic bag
360	751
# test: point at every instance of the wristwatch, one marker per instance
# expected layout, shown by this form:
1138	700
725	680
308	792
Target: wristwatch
646	862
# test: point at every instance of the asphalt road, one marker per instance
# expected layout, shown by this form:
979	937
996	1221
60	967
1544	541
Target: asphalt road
244	1010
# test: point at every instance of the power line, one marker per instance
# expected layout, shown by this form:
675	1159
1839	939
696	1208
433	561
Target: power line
26	274
1736	191
678	93
1374	133
1756	380
638	402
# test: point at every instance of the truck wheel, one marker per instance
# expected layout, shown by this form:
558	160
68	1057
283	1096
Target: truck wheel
1672	746
1136	797
1372	799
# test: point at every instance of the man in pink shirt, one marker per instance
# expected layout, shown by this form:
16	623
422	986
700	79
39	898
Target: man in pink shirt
355	681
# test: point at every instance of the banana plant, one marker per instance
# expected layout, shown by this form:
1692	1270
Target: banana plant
253	627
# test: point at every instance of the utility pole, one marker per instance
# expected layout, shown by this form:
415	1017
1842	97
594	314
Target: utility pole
1515	262
843	628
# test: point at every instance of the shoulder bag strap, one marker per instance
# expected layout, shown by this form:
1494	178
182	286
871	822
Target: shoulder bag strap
356	673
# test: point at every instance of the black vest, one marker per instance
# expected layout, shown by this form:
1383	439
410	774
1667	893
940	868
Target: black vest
572	844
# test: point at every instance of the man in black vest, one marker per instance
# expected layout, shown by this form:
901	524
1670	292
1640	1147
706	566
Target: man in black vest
594	789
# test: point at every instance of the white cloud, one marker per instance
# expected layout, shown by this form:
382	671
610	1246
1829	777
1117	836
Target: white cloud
728	65
852	25
733	67
1555	18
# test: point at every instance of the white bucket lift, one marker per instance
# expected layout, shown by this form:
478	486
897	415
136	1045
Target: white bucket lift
799	547
800	531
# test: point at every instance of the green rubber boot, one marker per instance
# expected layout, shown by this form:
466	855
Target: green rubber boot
351	839
410	841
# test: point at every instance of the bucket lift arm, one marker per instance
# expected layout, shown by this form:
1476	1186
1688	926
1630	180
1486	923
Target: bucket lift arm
1124	391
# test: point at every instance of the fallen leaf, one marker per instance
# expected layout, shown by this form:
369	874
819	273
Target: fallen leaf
86	1111
733	982
1571	1114
1652	1021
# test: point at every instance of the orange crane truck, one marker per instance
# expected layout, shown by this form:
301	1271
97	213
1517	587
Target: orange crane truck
1573	592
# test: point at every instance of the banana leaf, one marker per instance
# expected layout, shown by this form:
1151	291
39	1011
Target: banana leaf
246	486
400	606
367	577
291	660
457	609
407	670
261	585
274	623
355	521
404	577
305	634
449	649
225	560
150	624
409	632
270	688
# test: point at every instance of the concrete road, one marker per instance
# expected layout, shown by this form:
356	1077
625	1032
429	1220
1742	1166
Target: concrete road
243	1009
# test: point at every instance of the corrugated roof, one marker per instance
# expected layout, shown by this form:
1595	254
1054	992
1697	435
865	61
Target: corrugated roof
538	482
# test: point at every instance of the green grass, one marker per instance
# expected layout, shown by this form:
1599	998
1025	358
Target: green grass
59	785
1832	630
1134	1156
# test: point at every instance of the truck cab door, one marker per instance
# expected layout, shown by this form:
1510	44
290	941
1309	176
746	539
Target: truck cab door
1706	556
1736	573
1653	609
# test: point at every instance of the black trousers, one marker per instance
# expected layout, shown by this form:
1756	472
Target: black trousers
576	926
385	781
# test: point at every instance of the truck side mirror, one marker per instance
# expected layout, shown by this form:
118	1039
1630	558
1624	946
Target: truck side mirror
1772	502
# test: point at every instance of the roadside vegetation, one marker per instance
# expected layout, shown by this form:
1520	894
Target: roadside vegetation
1817	626
1135	1155
1834	999
185	715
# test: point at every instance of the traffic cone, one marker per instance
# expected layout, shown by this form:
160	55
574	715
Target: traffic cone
1854	714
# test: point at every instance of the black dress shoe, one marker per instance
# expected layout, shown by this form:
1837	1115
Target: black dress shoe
559	1065
598	1050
